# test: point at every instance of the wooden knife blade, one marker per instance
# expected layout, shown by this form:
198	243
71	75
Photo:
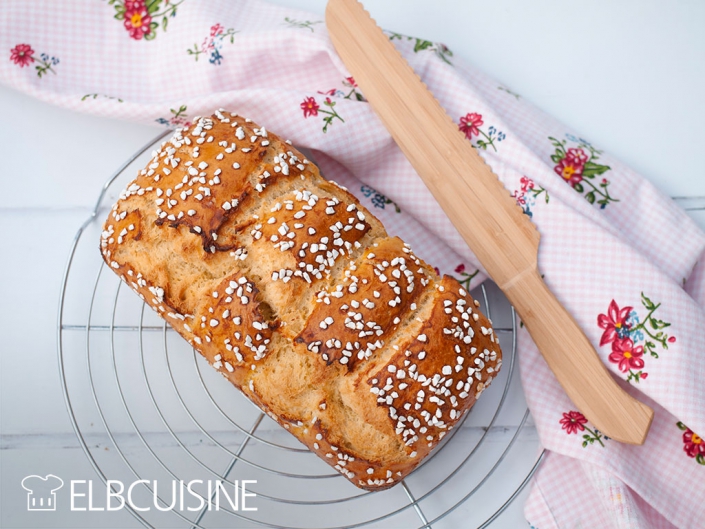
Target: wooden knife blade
487	217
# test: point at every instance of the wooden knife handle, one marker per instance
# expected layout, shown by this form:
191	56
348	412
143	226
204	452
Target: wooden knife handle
559	339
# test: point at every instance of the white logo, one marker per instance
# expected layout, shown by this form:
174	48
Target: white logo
194	495
41	492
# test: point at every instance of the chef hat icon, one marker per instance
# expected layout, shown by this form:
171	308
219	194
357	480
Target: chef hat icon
41	492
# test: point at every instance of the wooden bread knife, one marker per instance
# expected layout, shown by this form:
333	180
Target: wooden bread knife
487	217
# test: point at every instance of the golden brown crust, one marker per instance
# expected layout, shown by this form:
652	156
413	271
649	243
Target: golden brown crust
289	287
376	294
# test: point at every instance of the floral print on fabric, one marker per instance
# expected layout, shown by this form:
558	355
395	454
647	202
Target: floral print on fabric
96	96
465	277
510	92
574	422
470	126
378	199
579	169
441	50
142	18
178	118
23	55
302	24
693	444
628	356
630	337
350	92
311	109
213	44
527	194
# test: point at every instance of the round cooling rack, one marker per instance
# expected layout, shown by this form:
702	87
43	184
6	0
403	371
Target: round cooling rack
145	406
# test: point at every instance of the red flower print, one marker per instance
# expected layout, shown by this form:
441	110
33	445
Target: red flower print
578	156
573	421
614	322
571	167
353	94
470	125
310	107
626	354
693	444
526	183
137	19
465	277
216	29
578	167
521	199
633	338
22	55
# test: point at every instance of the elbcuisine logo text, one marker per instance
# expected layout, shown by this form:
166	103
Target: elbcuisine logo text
145	495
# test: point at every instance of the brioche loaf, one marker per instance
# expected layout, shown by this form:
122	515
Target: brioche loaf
290	288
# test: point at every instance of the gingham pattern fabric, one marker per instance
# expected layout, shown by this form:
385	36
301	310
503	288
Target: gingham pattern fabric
278	67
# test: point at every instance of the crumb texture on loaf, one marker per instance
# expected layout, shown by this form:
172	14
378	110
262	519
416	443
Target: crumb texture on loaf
291	289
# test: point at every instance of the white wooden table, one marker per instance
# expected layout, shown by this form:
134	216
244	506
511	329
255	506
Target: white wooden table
628	75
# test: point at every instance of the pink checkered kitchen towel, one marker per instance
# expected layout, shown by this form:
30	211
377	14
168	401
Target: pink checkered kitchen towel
623	258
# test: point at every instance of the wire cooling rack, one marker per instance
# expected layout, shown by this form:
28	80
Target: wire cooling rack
145	406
